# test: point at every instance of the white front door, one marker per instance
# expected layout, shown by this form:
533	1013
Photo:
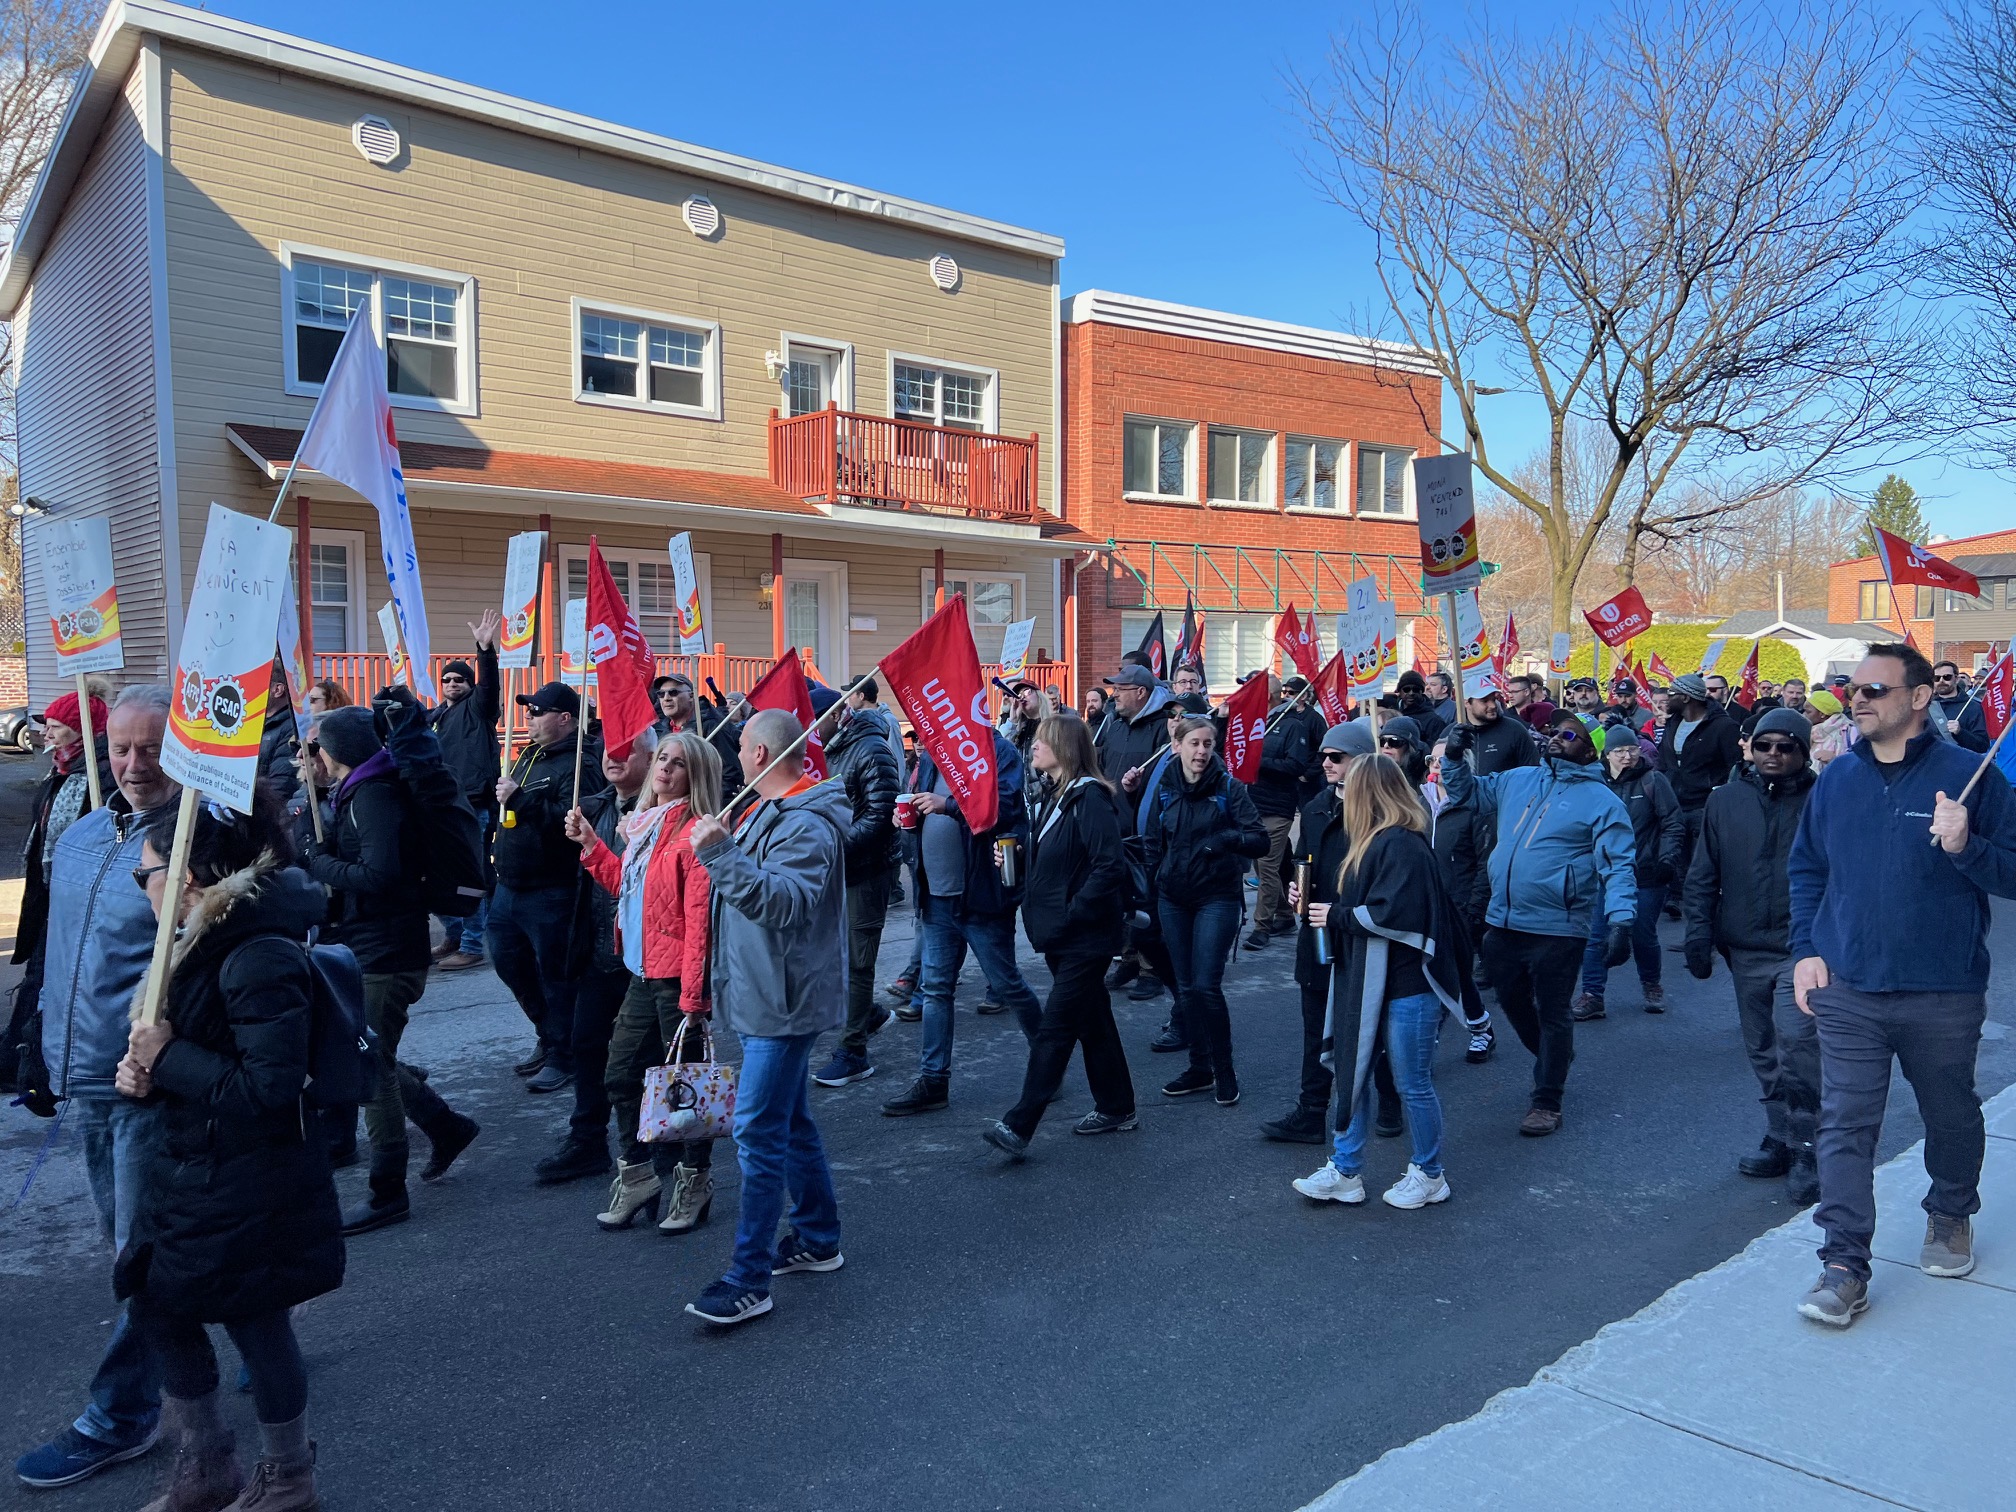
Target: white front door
815	613
812	377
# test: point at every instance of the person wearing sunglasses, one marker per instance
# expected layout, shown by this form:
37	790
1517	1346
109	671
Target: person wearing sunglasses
1738	905
1959	713
1890	878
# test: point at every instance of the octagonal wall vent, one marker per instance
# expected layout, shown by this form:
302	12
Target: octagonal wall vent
701	216
375	138
944	272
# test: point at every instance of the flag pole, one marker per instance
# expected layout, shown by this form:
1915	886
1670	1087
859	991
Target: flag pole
581	725
783	755
90	743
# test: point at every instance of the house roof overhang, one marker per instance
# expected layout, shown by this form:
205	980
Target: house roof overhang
477	479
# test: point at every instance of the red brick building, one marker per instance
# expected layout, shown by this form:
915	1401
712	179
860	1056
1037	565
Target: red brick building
1245	463
1939	624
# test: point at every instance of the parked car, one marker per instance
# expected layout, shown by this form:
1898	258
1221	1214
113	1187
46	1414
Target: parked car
17	732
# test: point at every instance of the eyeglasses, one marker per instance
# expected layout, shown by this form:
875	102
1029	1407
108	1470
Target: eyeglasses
454	677
1331	756
1871	691
1773	747
1392	745
142	873
1945	677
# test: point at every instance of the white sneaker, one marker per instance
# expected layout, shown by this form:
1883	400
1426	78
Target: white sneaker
1328	1184
1417	1189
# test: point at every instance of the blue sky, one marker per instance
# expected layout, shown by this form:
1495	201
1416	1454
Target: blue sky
1156	139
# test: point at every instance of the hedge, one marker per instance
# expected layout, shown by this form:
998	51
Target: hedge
1681	647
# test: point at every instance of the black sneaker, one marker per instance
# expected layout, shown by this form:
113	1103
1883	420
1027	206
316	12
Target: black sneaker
72	1456
1190	1079
1096	1122
575	1160
992	1003
531	1065
450	1146
1482	1043
1802	1182
1123	973
1144	989
1287	925
908	1012
882	1017
376	1212
1258	939
1168	1041
1227	1087
1301	1126
1006	1140
550	1079
1773	1158
927	1094
724	1306
795	1255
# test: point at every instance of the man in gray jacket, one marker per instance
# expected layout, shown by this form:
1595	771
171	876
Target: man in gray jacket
101	937
778	947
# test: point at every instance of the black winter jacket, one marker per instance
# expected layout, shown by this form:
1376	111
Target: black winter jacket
467	731
858	755
1657	825
1323	842
371	862
532	850
1703	764
1505	743
1072	907
1124	744
1288	758
1200	836
239	1215
1463	836
1739	890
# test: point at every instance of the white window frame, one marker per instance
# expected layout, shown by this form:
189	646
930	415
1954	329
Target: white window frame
1407	511
927	578
466	365
1269	464
990	424
833	572
1192	463
1347	478
703	571
843	374
710	368
361	559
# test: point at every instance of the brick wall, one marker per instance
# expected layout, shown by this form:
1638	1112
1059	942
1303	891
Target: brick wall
1112	372
1845	580
13	681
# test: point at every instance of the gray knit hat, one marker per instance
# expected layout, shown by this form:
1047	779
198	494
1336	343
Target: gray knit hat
1691	685
1353	738
1784	722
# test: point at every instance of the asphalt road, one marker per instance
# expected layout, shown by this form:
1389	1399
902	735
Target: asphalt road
1142	1321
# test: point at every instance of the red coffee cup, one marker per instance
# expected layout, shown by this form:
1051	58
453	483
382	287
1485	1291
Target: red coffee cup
906	811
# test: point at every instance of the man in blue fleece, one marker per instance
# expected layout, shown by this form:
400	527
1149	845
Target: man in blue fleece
1890	880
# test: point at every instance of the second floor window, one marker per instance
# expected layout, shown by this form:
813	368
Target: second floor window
1874	603
1311	471
653	362
423	320
955	398
1382	480
1239	470
1158	459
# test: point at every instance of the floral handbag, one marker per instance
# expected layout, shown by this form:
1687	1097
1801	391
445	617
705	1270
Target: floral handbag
687	1100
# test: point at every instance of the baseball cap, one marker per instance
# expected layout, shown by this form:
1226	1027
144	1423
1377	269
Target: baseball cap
1131	676
554	698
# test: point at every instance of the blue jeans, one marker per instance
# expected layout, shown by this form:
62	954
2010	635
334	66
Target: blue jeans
948	931
120	1139
1644	941
529	934
1413	1026
1200	939
780	1151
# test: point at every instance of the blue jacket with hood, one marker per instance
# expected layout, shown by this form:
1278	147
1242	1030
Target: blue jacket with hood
1873	897
1564	846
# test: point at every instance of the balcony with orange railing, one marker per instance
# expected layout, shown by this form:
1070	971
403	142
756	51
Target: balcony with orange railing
835	456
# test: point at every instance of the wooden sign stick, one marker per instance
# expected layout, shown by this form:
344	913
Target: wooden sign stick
90	743
171	902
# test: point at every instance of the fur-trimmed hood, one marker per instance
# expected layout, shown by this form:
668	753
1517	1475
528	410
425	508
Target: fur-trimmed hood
266	897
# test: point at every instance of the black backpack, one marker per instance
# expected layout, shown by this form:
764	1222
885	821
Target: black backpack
342	1050
455	871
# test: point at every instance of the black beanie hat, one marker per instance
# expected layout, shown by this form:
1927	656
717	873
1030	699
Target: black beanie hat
349	735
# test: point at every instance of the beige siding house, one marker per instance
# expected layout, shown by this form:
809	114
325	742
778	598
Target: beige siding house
845	396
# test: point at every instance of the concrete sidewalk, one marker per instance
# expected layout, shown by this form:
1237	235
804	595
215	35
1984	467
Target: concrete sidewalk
1719	1395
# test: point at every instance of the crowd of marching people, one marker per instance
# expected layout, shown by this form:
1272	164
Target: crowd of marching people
1833	847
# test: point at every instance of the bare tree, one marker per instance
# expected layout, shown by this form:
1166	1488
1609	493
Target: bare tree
1684	224
1972	149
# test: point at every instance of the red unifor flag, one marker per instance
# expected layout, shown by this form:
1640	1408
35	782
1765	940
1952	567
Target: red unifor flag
1246	727
935	677
1998	694
1905	563
1621	619
1661	671
1508	645
621	657
1332	687
1746	687
784	687
1298	641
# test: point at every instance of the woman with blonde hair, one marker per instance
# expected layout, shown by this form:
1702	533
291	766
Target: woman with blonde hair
661	931
1402	955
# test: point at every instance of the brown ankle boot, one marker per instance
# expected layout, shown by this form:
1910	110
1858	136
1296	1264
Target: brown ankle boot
280	1488
204	1479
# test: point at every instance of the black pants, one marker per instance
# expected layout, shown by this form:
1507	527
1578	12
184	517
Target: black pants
1535	976
867	911
1934	1037
1317	1078
1691	821
597	996
1079	1011
646	1027
189	1363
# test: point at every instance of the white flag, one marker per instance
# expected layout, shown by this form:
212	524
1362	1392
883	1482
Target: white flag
350	439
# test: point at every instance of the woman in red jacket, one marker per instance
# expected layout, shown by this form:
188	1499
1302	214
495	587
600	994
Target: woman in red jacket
661	930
